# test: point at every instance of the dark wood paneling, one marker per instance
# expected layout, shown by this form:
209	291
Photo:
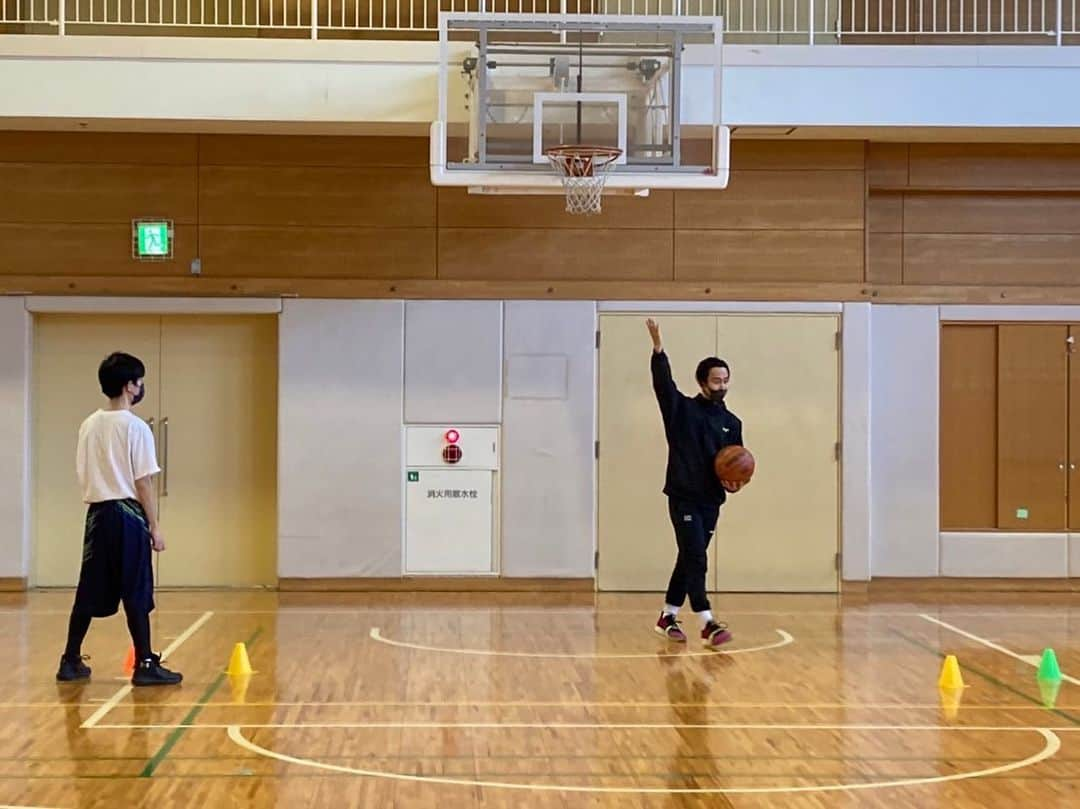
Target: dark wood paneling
1032	426
995	165
460	209
885	258
780	200
793	155
146	149
769	255
987	259
885	213
968	407
521	254
89	193
887	165
991	213
316	196
281	252
93	250
311	150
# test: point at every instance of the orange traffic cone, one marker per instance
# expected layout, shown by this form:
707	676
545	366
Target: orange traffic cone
129	661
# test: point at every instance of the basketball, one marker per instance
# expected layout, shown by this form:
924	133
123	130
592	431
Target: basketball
734	464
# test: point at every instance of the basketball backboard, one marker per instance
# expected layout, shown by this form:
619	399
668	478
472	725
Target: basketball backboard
513	86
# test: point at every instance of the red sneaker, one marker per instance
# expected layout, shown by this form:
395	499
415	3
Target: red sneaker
715	634
669	628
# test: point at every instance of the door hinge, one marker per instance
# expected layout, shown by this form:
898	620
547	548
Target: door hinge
837	562
598	338
596	560
839	449
596	450
839	340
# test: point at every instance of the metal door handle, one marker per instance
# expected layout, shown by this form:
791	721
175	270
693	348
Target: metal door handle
165	457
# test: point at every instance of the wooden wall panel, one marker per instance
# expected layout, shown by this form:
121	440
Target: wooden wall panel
97	147
587	255
1032	426
995	165
991	213
769	255
316	196
887	165
312	150
85	250
90	193
781	200
885	213
280	252
968	412
792	155
885	258
460	209
987	259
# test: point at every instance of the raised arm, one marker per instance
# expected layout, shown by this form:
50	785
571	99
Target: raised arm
667	394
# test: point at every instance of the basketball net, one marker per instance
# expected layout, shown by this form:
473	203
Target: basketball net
583	170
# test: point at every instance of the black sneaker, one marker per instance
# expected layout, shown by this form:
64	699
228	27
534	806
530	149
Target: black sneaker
151	672
72	670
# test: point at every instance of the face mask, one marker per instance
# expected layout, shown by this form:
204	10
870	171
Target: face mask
717	396
139	396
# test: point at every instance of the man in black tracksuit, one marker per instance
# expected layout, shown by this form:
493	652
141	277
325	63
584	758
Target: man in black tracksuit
696	429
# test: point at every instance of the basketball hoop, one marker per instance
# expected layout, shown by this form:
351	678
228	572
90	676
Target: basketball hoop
583	170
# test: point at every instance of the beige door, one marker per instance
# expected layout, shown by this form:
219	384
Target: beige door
211	390
779	534
67	352
218	447
636	541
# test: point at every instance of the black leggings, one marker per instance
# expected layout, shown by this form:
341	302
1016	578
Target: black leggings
694	525
138	622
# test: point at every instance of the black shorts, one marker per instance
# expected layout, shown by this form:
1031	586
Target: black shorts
116	563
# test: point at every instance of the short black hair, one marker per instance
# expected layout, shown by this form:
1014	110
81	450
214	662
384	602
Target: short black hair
116	370
706	365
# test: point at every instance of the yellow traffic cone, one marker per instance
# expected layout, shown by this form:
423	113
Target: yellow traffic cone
239	665
950	702
950	674
238	685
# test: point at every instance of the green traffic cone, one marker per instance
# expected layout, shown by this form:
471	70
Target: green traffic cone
1048	667
1048	690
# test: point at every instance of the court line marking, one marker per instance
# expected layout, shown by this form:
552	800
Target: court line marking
928	706
566	726
1051	747
785	639
127	688
1031	660
851	611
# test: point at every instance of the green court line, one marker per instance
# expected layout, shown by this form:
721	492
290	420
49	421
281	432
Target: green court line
990	679
163	752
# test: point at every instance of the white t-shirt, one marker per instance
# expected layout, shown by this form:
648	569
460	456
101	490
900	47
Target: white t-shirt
115	449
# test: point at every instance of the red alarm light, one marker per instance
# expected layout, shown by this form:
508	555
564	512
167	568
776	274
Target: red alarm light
452	436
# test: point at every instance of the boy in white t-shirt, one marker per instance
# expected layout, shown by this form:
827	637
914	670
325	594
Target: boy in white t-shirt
116	463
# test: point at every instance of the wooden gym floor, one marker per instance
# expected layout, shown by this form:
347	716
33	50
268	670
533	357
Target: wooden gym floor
566	700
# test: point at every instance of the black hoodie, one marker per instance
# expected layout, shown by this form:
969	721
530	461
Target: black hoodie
696	429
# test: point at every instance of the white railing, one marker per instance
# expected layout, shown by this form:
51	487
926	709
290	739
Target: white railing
778	21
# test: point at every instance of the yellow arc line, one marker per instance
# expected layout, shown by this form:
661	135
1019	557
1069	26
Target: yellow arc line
1051	747
785	639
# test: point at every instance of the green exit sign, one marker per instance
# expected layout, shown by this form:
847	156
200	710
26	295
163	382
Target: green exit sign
152	239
